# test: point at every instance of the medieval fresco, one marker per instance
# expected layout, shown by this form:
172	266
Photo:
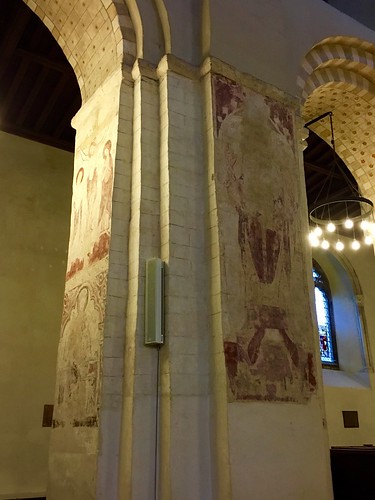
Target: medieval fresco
268	342
92	201
80	355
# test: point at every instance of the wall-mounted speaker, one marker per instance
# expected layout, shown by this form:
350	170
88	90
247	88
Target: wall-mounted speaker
154	302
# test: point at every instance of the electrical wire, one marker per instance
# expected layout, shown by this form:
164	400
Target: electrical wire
156	451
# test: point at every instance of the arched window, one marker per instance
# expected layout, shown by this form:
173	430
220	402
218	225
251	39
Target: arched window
324	313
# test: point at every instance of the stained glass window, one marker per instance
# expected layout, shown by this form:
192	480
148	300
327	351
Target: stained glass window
324	313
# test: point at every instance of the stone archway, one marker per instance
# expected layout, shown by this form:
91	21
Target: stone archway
98	39
95	36
338	75
102	40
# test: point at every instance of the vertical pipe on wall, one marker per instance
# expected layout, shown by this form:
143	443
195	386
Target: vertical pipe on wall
125	468
220	439
165	382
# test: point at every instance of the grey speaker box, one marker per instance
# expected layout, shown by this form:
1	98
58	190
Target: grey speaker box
154	302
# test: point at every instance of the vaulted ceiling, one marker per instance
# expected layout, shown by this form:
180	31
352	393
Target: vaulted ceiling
39	93
338	75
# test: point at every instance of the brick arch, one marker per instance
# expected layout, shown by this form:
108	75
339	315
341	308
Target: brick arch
95	35
337	52
338	75
342	75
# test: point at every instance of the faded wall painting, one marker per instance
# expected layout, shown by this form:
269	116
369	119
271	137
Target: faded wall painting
268	337
91	206
80	354
80	363
92	192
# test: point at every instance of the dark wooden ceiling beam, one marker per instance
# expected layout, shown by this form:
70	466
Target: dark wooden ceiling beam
34	91
321	170
11	35
38	86
50	102
314	192
44	61
12	92
28	133
311	180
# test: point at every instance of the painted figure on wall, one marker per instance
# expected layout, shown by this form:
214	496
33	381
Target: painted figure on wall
265	355
92	205
79	355
100	247
107	185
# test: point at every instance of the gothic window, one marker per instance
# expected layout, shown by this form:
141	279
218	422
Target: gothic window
324	313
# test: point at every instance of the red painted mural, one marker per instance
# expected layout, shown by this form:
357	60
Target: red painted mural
92	206
268	343
80	354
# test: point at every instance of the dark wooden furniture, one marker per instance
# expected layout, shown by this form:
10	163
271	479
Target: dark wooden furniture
353	472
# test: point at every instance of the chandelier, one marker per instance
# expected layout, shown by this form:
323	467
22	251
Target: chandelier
332	216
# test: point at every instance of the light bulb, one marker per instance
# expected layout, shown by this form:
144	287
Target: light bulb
318	231
314	242
325	244
355	245
348	223
331	227
365	225
313	239
368	240
339	246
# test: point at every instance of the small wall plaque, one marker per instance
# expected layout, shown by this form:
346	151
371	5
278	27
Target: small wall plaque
47	416
350	419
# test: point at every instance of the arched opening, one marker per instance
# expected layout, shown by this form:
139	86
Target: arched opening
94	38
337	76
39	97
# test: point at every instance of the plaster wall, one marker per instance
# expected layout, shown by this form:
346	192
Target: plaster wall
351	387
185	22
275	35
274	393
35	198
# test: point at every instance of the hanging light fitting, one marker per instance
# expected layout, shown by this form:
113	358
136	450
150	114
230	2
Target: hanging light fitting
332	215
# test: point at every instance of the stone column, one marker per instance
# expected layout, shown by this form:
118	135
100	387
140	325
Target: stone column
90	355
267	390
185	405
138	433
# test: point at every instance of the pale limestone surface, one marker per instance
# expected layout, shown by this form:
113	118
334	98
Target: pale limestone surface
166	165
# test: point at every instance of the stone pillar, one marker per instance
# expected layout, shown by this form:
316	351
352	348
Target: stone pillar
137	465
167	221
90	354
268	405
185	426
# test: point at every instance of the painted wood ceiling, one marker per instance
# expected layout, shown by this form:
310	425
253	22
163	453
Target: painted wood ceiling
39	93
